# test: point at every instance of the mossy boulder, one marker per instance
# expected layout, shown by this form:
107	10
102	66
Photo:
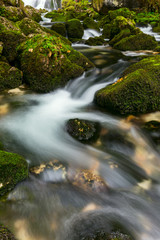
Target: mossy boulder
90	23
12	13
83	130
13	169
10	77
59	28
28	26
140	41
95	41
125	12
48	62
33	13
123	34
5	234
120	23
138	91
106	33
11	36
74	29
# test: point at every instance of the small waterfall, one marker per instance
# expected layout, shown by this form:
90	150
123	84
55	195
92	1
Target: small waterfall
44	4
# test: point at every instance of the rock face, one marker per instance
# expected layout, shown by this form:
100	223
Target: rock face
104	6
13	169
138	91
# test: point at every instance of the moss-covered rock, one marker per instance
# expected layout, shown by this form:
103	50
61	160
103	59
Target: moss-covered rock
106	33
5	234
47	62
10	77
60	28
13	169
90	23
138	91
143	18
123	34
95	41
140	41
33	13
104	20
74	29
11	36
28	26
56	16
12	13
120	23
83	130
125	12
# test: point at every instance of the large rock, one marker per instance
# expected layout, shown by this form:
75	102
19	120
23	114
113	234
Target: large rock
49	62
138	91
12	13
13	169
11	37
10	77
75	29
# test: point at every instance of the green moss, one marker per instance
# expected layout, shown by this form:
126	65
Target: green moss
107	30
33	13
59	28
47	62
28	26
90	23
104	20
138	91
10	77
140	41
144	18
123	34
120	23
74	29
125	12
12	13
13	169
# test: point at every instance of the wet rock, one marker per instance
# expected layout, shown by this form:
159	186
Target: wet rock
10	77
136	92
74	29
55	62
87	180
5	234
83	130
13	169
152	128
106	236
53	171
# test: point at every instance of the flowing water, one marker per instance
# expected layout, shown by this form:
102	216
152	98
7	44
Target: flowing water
50	207
44	4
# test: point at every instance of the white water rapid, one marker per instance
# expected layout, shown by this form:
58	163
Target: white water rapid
44	4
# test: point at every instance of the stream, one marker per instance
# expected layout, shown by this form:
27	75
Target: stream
51	208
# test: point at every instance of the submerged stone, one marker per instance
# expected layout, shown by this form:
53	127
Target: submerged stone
13	169
83	130
95	41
